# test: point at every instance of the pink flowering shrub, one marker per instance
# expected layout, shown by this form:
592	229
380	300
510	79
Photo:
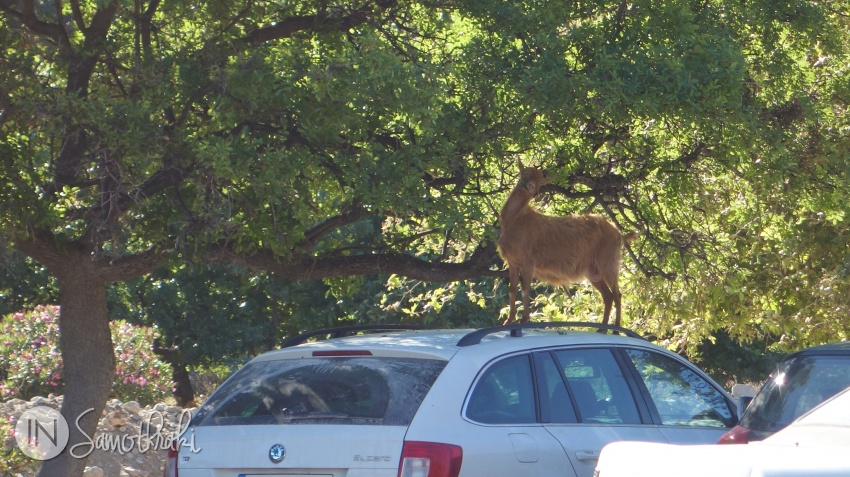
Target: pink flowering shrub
139	374
12	460
31	363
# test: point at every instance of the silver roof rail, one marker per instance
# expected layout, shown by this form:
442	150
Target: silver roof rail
515	330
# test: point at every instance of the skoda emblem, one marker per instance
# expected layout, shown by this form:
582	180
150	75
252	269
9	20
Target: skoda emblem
277	453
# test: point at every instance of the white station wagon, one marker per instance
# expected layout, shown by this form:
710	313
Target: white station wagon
514	400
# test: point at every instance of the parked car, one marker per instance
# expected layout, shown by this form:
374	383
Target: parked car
801	381
815	445
513	400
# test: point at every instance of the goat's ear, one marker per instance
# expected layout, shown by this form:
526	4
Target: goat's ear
521	167
545	180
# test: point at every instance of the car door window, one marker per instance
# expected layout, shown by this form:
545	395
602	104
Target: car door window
597	386
681	396
553	392
504	394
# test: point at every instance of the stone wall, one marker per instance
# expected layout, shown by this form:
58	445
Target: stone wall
130	439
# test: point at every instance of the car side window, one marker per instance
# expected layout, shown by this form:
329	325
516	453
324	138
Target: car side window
553	391
598	387
504	394
681	396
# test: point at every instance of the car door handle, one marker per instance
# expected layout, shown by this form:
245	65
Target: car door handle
587	455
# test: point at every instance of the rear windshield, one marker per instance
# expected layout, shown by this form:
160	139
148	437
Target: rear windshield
796	387
355	390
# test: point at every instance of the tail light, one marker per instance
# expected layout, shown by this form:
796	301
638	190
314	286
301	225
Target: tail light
430	459
737	435
170	469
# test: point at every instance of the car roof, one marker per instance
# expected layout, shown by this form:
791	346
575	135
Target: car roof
445	343
837	348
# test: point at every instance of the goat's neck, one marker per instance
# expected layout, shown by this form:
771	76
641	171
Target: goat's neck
516	204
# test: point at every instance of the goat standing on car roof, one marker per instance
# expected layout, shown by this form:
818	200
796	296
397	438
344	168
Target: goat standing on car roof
558	250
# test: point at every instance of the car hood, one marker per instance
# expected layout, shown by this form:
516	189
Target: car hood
817	436
641	459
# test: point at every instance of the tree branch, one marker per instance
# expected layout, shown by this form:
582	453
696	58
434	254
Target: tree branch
160	180
81	66
313	235
28	17
40	245
132	266
308	268
100	23
570	194
323	22
78	15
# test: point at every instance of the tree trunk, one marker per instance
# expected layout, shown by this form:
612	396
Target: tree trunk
183	392
88	361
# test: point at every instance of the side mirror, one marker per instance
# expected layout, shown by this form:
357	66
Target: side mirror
743	394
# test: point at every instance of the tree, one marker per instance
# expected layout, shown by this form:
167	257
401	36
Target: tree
339	138
211	132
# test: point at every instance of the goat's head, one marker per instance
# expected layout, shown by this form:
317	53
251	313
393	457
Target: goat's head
532	179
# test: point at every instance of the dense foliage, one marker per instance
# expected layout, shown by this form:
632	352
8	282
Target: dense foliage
346	138
714	128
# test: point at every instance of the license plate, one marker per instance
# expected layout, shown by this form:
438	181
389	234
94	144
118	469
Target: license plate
285	475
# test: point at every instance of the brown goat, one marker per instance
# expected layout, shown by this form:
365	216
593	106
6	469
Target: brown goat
558	250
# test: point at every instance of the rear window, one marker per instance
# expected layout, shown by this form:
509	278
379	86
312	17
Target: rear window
355	390
797	386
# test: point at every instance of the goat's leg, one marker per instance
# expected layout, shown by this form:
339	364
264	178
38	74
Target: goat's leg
618	297
526	295
513	281
608	297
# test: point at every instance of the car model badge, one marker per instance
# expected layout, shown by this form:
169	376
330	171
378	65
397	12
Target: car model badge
277	453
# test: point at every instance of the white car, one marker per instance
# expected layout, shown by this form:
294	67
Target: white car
815	445
513	400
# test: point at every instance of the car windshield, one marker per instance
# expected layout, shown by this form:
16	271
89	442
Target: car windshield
350	390
797	386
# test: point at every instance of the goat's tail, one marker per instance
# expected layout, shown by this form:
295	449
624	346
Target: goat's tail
629	237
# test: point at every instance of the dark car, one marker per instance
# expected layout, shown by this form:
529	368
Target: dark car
801	381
